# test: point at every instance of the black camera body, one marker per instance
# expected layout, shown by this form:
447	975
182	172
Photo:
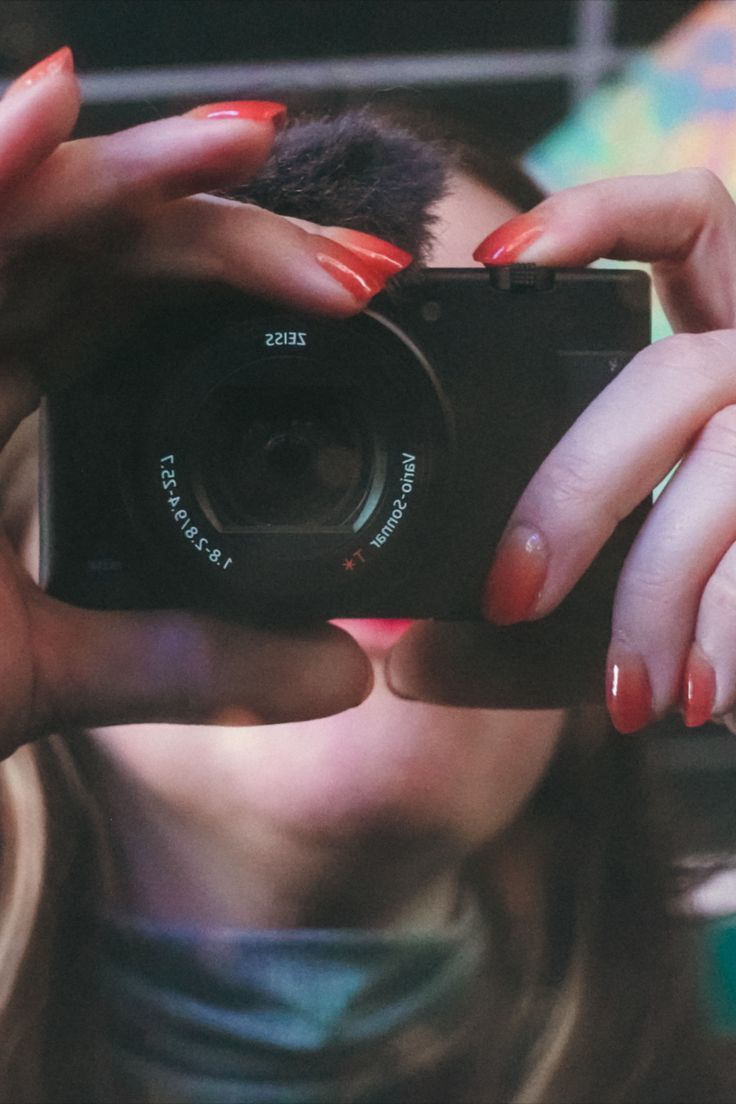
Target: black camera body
229	456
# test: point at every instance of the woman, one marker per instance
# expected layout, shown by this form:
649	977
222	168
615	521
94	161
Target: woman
403	901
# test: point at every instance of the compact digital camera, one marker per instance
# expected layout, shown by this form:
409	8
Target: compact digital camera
229	456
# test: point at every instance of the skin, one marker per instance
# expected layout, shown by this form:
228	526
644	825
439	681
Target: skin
364	818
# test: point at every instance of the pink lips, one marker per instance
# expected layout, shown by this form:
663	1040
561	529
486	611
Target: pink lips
389	625
376	633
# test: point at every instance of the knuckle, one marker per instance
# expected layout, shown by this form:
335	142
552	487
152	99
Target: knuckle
718	436
703	188
570	483
573	488
682	358
650	587
720	591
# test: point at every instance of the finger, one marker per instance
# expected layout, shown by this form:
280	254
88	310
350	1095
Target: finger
37	113
127	173
20	395
709	682
482	666
606	464
267	255
376	251
683	222
96	669
679	550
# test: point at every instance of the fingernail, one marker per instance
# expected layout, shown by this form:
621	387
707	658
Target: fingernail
509	241
384	256
359	276
256	111
516	578
628	691
698	688
60	61
236	717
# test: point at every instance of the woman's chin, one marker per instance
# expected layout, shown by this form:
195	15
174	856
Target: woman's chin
399	767
387	765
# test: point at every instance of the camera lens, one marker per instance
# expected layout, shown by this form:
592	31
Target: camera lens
283	457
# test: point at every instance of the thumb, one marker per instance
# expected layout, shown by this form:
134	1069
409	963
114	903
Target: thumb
103	668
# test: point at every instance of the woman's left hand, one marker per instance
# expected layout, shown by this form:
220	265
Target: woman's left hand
674	622
77	219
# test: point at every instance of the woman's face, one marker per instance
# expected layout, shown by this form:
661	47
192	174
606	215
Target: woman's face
411	769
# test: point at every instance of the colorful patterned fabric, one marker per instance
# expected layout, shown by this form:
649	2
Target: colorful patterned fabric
674	108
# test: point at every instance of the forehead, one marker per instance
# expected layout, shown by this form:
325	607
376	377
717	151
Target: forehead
468	213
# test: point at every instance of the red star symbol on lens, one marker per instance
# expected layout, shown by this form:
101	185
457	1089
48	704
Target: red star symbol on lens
348	564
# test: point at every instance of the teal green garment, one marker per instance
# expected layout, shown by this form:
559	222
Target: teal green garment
718	972
287	1017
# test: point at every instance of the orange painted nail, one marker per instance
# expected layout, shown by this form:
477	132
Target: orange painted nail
628	691
256	111
509	241
381	254
698	689
362	278
516	578
59	62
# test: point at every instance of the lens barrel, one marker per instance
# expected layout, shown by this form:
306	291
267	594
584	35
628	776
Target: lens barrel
282	449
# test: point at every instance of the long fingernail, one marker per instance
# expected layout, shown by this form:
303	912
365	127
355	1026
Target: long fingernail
698	688
516	578
362	277
255	111
628	690
60	61
384	256
509	241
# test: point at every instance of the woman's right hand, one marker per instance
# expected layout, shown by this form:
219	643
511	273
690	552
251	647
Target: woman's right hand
73	216
673	637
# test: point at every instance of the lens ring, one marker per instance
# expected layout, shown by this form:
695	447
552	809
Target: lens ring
301	569
282	457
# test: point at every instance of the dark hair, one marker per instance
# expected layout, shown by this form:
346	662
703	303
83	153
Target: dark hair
381	173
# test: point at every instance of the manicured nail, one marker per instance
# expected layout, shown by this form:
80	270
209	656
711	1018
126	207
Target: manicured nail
384	256
256	111
509	241
698	689
60	61
358	275
237	717
516	578
628	691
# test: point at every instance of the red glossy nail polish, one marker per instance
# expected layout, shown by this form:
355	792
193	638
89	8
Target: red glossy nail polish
509	241
698	689
361	277
628	691
60	61
384	256
256	111
516	578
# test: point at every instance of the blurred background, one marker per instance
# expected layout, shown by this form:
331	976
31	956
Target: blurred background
514	66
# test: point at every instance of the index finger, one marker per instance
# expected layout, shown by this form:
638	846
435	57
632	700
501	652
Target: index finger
684	223
37	112
95	668
137	170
